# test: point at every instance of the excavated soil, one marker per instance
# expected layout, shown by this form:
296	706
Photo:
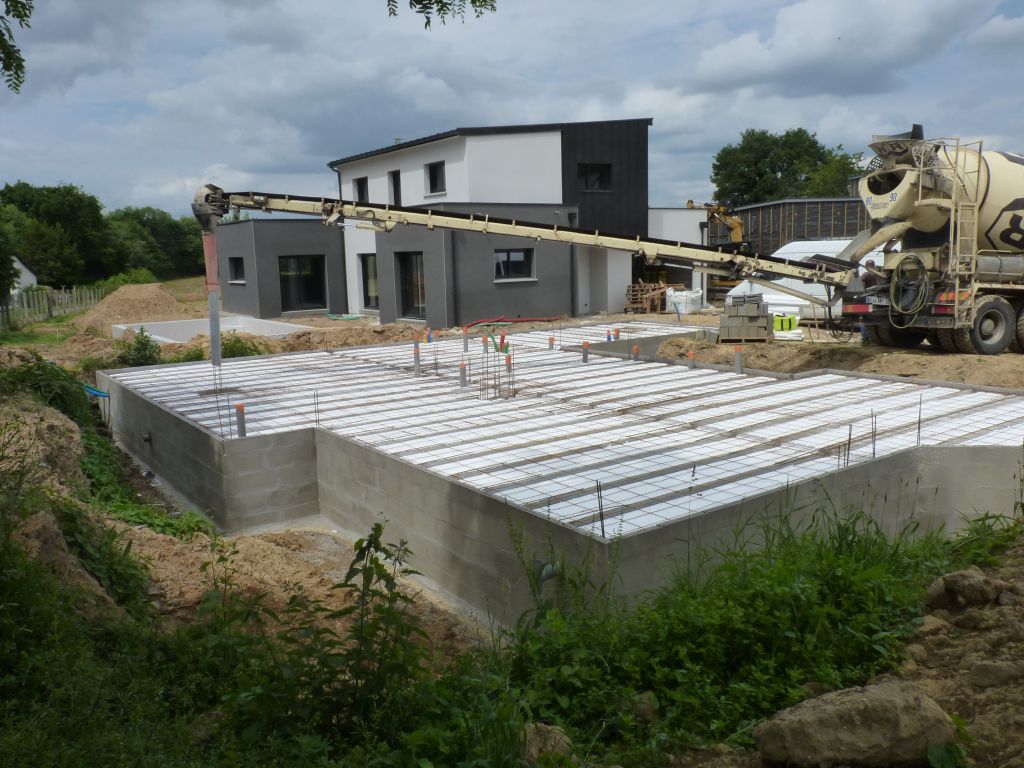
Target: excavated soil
41	444
1006	370
277	565
135	304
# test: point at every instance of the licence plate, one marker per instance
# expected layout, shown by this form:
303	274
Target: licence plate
879	301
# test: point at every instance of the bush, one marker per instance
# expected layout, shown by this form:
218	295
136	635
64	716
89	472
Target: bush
136	276
50	385
141	349
190	355
233	345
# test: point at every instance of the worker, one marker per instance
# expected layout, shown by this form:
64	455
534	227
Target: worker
870	277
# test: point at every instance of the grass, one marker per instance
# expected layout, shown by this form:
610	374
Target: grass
53	331
188	289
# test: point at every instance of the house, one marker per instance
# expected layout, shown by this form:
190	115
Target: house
584	174
275	267
26	277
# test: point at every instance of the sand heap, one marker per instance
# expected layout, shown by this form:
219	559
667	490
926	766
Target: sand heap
134	304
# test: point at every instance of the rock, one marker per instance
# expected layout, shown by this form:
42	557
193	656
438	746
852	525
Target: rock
916	652
645	706
932	625
540	739
973	618
1008	597
892	724
987	674
962	589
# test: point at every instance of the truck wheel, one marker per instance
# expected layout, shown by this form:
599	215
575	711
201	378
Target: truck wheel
1020	330
874	335
934	342
904	338
947	340
995	323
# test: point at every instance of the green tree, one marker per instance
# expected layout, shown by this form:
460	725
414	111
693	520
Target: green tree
172	246
442	10
49	252
12	65
79	215
136	248
766	166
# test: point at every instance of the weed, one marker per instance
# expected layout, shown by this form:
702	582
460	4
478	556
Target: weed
190	355
50	385
233	345
141	349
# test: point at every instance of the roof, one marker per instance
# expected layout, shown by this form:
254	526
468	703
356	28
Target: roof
478	131
797	200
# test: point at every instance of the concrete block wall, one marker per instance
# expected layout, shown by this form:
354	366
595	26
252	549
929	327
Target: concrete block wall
462	540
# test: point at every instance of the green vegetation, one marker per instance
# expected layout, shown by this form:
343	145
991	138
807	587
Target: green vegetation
233	345
765	166
63	235
140	349
135	276
698	662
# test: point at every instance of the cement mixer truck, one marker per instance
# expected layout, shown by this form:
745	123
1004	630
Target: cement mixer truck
949	218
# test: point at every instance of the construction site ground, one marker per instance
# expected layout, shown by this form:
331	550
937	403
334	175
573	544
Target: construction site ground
312	557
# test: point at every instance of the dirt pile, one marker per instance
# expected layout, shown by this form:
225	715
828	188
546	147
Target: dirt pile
134	304
1006	370
350	336
275	564
41	444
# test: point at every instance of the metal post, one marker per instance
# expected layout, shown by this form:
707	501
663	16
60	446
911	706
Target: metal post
739	359
508	363
240	419
636	353
465	339
551	342
462	374
215	327
586	351
615	334
416	356
691	359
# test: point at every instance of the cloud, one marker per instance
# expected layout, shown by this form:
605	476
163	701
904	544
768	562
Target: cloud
834	47
999	35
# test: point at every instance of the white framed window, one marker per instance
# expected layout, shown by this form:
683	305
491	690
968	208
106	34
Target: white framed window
435	177
513	264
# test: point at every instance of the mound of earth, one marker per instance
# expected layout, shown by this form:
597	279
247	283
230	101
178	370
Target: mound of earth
134	304
1006	370
354	336
40	444
276	565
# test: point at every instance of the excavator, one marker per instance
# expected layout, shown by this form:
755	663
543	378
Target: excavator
948	217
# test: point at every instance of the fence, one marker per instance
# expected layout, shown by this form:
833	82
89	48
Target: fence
44	304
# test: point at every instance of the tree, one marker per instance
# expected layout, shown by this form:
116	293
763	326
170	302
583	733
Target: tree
442	10
48	251
12	223
79	215
767	166
172	246
12	65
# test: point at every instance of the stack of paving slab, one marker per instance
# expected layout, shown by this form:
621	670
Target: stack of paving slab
746	319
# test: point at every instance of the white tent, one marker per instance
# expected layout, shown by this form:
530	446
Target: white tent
781	303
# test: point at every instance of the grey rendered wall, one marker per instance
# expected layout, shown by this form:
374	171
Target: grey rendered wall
297	237
236	240
459	269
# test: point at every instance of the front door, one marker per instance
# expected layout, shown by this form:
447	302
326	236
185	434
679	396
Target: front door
303	283
412	286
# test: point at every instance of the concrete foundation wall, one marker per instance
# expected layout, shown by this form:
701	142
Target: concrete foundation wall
238	483
462	540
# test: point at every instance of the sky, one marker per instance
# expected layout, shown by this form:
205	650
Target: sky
141	102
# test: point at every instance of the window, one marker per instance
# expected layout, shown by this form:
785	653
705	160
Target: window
236	269
361	189
412	286
395	187
592	177
435	178
368	262
513	265
303	282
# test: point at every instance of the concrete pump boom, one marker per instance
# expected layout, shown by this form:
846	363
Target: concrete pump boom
212	202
